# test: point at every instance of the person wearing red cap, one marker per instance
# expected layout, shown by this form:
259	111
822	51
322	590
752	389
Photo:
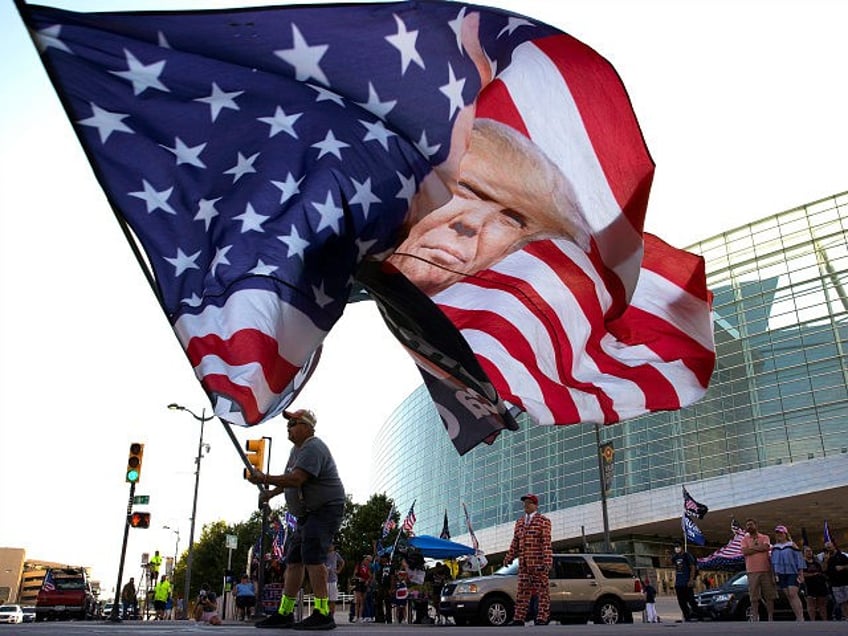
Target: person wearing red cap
531	543
315	495
787	561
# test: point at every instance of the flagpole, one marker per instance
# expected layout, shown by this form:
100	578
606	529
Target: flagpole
400	532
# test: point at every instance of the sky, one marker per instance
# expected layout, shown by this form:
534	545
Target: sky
742	107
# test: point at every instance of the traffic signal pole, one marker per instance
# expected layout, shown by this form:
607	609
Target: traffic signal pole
115	617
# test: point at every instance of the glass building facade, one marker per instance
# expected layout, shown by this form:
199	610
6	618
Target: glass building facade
779	394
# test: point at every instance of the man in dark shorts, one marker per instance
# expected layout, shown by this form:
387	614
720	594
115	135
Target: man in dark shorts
315	495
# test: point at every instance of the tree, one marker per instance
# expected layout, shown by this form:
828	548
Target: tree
211	554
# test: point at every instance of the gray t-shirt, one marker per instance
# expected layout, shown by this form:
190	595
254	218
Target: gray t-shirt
323	485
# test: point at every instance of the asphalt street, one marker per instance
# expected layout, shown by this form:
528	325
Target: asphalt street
666	608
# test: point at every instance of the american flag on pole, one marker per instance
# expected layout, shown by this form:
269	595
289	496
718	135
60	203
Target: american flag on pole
389	524
409	521
260	160
48	584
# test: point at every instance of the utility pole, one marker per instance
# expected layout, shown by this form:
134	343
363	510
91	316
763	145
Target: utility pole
607	545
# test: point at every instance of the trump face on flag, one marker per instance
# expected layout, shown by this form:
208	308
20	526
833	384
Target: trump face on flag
507	194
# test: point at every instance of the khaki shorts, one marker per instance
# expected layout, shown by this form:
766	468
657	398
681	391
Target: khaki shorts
761	585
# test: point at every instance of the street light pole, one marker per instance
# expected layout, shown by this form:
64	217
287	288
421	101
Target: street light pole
202	419
176	531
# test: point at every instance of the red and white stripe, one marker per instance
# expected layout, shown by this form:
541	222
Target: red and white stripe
254	347
574	337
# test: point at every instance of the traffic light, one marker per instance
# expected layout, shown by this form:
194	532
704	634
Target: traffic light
255	455
134	462
139	520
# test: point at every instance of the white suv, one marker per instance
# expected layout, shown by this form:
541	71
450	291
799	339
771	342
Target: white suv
598	587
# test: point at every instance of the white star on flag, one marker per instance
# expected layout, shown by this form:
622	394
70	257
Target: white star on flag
404	41
281	122
142	76
106	122
154	199
304	58
219	100
251	220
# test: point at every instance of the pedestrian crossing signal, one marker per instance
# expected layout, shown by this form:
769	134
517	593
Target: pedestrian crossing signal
134	462
140	520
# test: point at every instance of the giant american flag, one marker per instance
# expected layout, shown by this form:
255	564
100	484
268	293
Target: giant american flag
258	159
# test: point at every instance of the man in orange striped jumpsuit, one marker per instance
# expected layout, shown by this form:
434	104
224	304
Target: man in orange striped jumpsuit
531	543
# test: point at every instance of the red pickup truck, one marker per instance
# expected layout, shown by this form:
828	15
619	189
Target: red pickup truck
65	593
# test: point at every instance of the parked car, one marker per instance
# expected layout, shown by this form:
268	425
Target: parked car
29	613
11	614
70	597
731	601
598	587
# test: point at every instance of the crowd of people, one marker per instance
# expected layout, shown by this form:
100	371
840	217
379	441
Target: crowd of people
395	586
398	591
786	566
772	568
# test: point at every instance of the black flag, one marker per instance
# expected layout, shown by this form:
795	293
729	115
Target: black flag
692	508
445	534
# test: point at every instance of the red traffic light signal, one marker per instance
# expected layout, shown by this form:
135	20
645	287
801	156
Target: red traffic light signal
139	520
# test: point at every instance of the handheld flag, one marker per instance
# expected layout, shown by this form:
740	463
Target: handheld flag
827	538
409	521
262	160
278	543
389	524
692	508
445	533
693	533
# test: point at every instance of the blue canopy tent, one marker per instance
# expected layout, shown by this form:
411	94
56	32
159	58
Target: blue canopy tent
435	548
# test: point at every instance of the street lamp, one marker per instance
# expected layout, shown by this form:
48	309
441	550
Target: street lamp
176	531
202	419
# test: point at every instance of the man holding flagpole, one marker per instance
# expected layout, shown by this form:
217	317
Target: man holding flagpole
315	495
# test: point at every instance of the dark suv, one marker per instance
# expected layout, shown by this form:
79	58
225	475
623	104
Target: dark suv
66	594
731	601
597	587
